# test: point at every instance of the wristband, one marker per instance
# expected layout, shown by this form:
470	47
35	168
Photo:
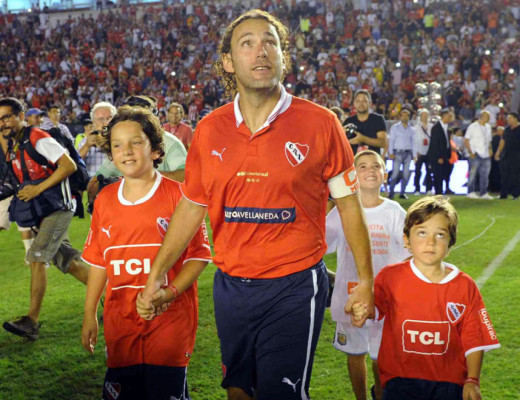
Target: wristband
476	381
174	290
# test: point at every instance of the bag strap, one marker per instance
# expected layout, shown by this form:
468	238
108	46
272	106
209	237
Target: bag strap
25	144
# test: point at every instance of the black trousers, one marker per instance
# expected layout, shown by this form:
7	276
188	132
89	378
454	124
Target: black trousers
427	181
510	177
439	172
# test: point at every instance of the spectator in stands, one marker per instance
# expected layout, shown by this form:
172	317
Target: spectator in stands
478	144
176	127
509	155
402	149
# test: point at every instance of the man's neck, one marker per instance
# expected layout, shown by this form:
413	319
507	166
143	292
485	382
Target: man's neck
515	126
257	105
405	124
362	116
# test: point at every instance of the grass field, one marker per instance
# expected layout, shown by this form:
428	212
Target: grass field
56	366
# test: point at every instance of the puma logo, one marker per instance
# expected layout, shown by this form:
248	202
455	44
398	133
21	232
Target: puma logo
107	231
219	155
288	381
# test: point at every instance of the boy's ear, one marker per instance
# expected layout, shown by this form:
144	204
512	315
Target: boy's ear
406	241
385	178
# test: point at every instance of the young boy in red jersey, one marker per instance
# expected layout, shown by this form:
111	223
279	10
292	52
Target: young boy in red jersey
145	359
385	219
436	326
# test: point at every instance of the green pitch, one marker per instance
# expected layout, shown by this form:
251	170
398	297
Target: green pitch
56	366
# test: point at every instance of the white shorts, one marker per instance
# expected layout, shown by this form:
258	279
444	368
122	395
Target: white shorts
4	216
356	341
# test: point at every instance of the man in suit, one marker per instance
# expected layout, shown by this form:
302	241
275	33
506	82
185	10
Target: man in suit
439	151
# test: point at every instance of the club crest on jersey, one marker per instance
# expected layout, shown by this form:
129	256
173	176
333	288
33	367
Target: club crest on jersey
454	311
296	153
113	390
162	225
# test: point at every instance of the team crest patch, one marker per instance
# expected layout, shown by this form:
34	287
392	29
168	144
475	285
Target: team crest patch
341	338
296	153
113	390
162	225
454	311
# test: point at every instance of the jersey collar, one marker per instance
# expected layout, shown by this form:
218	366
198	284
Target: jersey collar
125	202
282	106
452	275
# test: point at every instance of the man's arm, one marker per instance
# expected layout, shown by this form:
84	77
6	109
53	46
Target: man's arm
175	175
184	223
356	233
501	145
66	167
380	141
86	144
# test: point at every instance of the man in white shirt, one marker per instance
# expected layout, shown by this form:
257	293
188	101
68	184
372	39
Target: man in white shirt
478	143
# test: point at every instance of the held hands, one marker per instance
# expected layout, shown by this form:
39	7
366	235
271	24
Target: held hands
148	307
89	333
471	391
29	192
363	296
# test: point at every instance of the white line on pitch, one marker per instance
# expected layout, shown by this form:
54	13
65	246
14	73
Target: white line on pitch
497	261
493	220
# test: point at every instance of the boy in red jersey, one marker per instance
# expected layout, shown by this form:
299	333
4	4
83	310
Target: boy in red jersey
263	167
145	359
436	327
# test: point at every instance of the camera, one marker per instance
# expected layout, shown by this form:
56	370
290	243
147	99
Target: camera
350	130
96	133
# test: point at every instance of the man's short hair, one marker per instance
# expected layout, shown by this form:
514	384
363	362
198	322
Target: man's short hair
54	106
16	105
103	104
177	105
514	115
365	92
225	46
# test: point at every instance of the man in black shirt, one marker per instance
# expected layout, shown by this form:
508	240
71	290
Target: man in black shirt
371	127
509	155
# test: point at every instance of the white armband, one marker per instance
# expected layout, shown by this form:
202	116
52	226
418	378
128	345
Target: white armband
344	184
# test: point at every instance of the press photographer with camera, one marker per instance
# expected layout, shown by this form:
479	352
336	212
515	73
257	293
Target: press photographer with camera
370	132
43	200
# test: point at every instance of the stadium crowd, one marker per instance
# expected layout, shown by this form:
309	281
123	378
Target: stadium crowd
168	51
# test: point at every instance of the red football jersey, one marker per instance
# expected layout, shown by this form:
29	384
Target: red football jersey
267	192
124	239
430	328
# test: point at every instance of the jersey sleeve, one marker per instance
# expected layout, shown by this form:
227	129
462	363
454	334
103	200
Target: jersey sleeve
192	187
48	147
92	253
381	295
340	157
198	248
333	230
476	330
175	156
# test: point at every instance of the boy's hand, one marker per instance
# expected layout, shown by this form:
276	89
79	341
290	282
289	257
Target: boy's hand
471	391
362	293
145	307
89	333
160	300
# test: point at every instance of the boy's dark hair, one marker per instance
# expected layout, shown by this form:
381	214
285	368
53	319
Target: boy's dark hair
225	46
423	209
16	105
149	123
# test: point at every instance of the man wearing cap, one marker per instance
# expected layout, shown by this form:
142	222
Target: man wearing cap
439	151
401	149
33	116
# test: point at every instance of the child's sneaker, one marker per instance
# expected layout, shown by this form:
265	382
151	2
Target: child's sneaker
24	327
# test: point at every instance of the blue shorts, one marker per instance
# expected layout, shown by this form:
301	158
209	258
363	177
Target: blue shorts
145	382
268	331
421	389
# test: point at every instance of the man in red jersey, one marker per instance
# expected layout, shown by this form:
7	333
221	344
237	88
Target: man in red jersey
263	167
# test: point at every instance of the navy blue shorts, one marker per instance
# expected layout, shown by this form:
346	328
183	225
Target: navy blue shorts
268	331
421	389
146	382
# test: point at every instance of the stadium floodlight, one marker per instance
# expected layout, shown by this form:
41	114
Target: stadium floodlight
302	67
487	52
511	71
29	10
398	65
501	104
173	73
193	87
289	86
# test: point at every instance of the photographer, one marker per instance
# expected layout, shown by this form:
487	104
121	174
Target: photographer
371	127
101	114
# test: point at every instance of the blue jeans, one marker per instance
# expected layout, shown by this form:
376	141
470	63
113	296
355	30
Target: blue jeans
481	167
401	157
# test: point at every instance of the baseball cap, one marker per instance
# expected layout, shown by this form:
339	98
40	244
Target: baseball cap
33	111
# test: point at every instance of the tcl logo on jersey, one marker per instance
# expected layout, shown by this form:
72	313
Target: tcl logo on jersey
426	337
132	267
296	153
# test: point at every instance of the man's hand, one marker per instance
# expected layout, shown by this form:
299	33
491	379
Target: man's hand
358	139
92	140
440	161
497	157
391	156
89	333
471	391
145	307
29	192
363	293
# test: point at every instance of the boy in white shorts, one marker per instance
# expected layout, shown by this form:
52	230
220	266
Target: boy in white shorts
385	219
